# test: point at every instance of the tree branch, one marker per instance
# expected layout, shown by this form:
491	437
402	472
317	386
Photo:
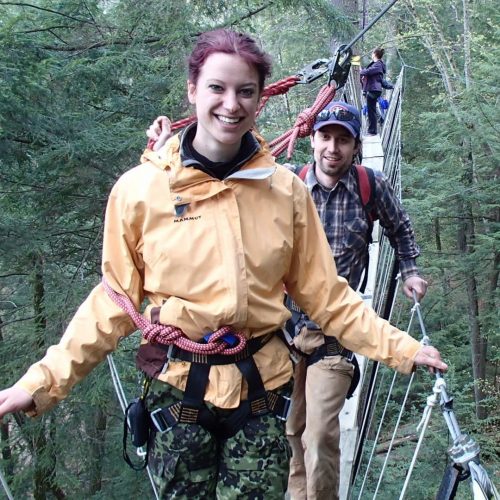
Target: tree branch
22	4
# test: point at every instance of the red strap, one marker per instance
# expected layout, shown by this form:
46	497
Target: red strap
364	184
303	171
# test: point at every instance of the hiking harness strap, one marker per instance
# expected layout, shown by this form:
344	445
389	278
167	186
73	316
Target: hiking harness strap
192	409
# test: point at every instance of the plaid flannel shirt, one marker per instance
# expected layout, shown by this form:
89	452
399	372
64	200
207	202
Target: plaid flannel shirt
347	227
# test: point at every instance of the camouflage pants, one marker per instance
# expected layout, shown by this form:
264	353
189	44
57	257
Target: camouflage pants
188	462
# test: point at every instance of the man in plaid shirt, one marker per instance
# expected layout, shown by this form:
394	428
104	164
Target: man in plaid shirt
323	377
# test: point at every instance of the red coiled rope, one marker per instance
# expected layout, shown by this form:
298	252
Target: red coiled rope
167	334
303	124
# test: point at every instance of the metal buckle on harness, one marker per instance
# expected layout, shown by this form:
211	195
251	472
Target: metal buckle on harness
159	421
288	409
169	357
350	356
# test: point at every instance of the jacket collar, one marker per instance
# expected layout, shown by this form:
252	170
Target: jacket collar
190	184
348	180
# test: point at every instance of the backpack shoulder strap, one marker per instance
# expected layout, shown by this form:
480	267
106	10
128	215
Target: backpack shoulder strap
365	178
366	188
303	171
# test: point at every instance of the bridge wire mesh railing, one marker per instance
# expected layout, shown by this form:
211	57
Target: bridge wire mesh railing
385	289
384	302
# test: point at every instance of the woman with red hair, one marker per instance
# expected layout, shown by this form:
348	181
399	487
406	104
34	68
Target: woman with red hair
210	230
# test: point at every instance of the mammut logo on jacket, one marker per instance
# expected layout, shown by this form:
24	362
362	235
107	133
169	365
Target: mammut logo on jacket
184	219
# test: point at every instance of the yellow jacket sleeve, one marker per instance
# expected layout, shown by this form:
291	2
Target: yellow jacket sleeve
98	324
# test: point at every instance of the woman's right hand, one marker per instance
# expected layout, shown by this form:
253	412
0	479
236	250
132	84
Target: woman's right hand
14	399
159	132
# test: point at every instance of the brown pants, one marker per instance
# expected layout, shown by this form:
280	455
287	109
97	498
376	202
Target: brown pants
313	427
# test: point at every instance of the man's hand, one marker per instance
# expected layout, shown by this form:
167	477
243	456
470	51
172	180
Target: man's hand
14	399
429	356
159	132
415	284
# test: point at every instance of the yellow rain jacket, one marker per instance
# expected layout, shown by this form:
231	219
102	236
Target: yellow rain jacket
214	253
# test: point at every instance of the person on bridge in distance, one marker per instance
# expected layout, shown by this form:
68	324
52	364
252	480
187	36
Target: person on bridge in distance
371	79
211	230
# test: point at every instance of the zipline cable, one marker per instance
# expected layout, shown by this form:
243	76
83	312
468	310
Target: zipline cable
370	24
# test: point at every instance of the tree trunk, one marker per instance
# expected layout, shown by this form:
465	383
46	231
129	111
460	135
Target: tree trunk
97	434
466	236
44	452
445	281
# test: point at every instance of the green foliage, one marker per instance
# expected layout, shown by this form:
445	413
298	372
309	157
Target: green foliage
80	81
450	173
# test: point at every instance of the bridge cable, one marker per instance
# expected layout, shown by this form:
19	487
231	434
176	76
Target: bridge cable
387	270
388	399
465	451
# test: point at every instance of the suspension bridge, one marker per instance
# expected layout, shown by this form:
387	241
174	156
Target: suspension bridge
360	431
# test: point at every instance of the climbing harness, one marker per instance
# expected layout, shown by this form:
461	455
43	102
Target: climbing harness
166	343
192	409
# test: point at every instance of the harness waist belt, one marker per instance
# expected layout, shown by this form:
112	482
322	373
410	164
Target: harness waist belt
252	346
331	347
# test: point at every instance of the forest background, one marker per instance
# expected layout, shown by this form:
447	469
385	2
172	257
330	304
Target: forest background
80	81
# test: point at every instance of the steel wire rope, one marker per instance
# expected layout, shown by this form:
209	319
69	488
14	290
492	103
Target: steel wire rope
370	415
481	480
381	422
370	402
431	402
464	452
375	440
386	260
120	393
5	486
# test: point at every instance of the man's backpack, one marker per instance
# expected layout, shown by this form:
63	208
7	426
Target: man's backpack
365	179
